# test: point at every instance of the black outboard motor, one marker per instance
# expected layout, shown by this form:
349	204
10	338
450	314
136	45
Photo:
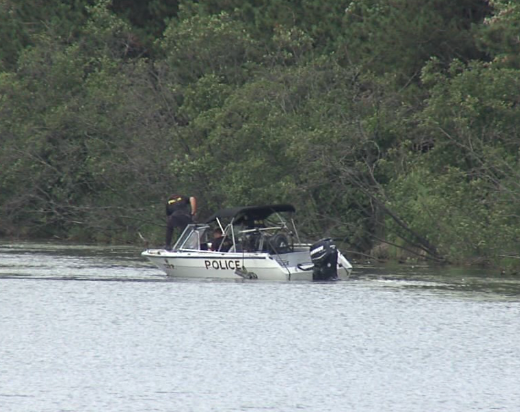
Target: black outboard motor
324	255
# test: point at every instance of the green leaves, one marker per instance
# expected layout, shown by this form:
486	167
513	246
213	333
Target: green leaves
382	121
399	37
201	45
499	33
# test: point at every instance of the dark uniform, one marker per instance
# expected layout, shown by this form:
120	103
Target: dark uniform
179	215
218	241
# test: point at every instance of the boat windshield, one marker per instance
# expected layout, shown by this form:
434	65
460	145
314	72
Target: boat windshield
194	237
273	235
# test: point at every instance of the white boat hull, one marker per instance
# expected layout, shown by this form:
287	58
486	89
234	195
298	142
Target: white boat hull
238	265
250	242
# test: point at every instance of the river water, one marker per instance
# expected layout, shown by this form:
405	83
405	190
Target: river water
99	329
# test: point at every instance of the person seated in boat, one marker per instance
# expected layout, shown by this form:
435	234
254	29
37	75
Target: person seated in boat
180	211
250	239
219	241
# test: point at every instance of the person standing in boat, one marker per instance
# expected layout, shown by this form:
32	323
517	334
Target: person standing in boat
180	211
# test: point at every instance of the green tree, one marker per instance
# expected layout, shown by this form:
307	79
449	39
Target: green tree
462	193
321	20
499	34
22	20
399	37
56	129
201	45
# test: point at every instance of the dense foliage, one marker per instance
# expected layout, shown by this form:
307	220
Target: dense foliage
393	125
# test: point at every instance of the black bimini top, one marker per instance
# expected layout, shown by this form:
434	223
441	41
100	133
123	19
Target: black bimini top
250	212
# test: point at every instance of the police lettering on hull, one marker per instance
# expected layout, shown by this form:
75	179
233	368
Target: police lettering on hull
222	264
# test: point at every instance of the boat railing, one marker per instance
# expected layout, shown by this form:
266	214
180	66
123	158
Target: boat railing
261	229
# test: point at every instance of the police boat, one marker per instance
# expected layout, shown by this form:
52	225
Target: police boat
258	242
